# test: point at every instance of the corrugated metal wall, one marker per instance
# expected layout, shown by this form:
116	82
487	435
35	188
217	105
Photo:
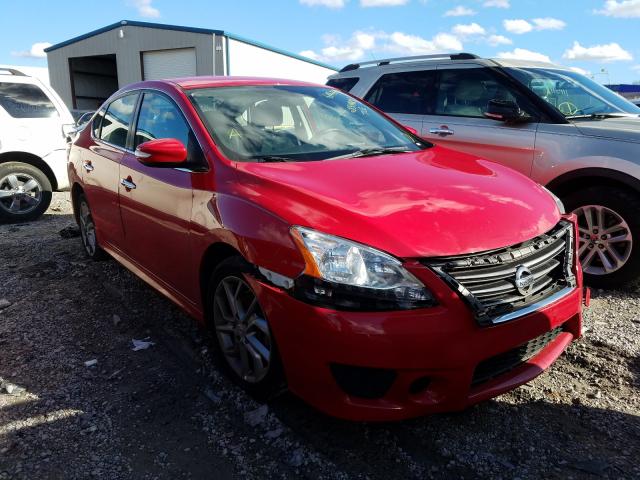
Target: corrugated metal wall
128	53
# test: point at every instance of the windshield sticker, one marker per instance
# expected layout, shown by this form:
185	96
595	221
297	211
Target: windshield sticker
330	93
352	105
233	133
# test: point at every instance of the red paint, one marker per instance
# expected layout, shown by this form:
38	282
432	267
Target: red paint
161	152
432	203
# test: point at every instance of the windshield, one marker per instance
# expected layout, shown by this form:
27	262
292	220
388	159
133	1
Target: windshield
296	123
572	93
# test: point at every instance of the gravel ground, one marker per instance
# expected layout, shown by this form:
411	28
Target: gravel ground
166	412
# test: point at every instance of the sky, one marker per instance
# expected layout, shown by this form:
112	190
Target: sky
599	37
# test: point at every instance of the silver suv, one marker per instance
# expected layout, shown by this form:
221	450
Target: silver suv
565	131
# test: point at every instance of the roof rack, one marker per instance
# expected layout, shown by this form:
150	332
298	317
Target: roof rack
387	61
11	71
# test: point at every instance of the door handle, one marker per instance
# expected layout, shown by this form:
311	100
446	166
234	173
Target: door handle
127	183
443	130
88	167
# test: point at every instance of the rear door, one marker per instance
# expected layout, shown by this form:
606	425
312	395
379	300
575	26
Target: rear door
404	95
155	202
457	120
101	164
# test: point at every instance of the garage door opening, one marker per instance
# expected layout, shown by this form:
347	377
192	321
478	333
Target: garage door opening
93	80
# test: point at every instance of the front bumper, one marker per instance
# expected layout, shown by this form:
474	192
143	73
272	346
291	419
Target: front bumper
440	346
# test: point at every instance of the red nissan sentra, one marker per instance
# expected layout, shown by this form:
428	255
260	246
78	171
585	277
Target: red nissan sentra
374	274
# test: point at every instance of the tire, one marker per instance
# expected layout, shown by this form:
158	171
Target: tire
231	335
25	192
607	207
88	230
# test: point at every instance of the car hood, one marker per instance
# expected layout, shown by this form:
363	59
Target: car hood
619	128
431	203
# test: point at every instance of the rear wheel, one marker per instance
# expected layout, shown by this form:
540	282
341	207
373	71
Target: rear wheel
609	232
25	192
244	340
88	230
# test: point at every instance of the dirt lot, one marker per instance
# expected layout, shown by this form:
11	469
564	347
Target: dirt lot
166	412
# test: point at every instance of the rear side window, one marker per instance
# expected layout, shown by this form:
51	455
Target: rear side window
404	92
23	100
344	84
117	119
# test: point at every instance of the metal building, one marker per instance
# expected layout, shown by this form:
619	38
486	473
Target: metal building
86	70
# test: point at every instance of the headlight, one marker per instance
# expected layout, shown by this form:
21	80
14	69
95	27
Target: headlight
350	275
557	200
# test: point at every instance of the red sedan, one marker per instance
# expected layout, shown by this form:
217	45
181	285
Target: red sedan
331	250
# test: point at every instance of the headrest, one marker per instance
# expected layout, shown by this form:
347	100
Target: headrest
267	114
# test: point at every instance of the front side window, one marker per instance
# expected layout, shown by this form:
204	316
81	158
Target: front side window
117	119
572	93
295	123
403	92
466	92
24	100
160	118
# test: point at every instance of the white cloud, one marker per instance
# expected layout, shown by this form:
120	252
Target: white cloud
382	3
459	11
468	30
495	40
145	9
324	3
520	26
36	51
414	45
523	54
360	43
548	23
636	68
517	26
497	3
622	9
610	52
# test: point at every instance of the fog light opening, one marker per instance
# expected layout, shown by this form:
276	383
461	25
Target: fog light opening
419	385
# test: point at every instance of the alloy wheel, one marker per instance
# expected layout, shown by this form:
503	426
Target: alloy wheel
20	193
605	239
242	329
87	229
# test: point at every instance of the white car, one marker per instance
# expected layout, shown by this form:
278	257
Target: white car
34	124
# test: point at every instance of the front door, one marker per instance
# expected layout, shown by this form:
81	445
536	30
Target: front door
155	202
458	122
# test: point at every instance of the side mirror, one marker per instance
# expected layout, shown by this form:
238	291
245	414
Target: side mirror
84	118
505	111
164	152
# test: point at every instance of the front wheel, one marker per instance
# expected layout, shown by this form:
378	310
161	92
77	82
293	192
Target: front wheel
25	192
245	343
609	232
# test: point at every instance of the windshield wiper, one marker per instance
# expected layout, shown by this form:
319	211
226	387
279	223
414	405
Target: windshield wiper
270	158
370	152
597	116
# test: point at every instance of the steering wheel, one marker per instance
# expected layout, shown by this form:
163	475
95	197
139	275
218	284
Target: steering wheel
568	108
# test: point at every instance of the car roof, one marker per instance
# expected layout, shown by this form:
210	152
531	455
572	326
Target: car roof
352	70
189	83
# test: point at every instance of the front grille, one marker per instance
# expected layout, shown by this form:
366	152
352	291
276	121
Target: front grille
499	284
504	362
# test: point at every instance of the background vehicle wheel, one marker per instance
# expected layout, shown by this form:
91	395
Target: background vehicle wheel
609	229
245	344
25	192
88	230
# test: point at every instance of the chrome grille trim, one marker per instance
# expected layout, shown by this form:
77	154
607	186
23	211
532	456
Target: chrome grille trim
486	281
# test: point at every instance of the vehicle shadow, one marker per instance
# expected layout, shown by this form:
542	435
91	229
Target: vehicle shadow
532	439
